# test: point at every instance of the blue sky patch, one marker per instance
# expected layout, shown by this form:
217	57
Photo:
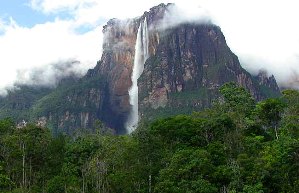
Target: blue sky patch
24	15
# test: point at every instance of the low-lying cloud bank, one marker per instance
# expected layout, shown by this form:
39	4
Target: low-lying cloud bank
50	75
28	49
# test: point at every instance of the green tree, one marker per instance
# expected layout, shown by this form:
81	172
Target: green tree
5	181
290	122
24	151
6	126
189	170
270	112
237	99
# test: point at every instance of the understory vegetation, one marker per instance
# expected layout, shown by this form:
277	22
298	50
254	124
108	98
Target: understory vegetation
238	145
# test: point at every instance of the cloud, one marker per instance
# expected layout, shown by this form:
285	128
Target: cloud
49	43
2	24
49	75
293	81
51	6
176	15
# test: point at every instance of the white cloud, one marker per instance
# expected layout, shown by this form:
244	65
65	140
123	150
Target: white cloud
51	6
178	15
44	44
2	25
49	75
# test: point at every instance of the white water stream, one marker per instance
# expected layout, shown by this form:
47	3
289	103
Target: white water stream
141	55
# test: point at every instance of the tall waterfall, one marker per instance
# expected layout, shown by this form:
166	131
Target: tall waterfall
141	55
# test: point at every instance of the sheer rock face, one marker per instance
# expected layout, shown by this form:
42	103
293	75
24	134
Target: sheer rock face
194	60
187	65
184	59
117	62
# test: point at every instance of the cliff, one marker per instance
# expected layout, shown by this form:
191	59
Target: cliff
187	64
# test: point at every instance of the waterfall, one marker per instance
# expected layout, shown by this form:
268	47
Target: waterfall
141	55
145	40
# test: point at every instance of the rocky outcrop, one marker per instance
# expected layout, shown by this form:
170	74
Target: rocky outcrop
267	81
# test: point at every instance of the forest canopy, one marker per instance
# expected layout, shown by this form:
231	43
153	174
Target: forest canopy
237	145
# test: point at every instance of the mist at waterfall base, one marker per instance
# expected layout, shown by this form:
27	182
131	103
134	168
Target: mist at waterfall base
141	55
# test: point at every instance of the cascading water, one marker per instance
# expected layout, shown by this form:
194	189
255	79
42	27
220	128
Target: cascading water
145	40
141	55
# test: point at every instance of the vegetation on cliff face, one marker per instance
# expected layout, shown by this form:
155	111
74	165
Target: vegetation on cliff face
237	145
18	101
72	104
63	108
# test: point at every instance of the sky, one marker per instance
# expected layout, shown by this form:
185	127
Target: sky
39	34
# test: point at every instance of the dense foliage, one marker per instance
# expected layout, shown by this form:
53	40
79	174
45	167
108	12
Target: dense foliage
238	145
18	101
